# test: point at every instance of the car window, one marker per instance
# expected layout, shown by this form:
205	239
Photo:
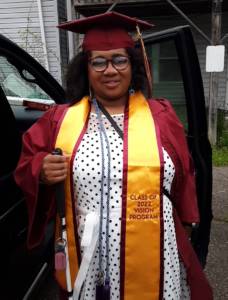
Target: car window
167	77
18	85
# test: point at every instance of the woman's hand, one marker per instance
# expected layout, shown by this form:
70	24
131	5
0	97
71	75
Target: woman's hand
54	169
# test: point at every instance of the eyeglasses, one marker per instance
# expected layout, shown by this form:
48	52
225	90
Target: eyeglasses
100	64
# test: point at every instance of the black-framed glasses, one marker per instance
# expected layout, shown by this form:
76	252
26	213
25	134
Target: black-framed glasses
100	64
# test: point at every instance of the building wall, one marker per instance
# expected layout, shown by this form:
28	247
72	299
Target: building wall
204	23
19	21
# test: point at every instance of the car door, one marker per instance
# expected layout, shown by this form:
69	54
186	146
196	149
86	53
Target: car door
177	77
21	79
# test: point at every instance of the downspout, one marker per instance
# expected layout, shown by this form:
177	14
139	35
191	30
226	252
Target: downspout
70	34
43	34
226	99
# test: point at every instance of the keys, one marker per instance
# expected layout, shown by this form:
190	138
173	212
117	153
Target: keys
60	255
103	291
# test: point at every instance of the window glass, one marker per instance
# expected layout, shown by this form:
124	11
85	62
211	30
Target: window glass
18	85
167	78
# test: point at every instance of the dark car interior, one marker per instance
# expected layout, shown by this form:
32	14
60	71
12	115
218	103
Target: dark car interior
18	265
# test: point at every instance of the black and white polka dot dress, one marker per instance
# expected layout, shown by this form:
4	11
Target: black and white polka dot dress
87	186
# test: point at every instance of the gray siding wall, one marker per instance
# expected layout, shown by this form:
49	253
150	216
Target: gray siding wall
19	21
204	23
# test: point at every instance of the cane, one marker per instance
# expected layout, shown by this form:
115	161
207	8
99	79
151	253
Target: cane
61	246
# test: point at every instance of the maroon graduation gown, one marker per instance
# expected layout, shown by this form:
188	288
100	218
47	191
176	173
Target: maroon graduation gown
39	140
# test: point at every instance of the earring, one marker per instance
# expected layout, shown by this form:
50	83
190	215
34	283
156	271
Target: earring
131	91
90	94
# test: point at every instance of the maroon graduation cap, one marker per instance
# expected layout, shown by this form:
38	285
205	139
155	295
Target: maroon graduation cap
106	31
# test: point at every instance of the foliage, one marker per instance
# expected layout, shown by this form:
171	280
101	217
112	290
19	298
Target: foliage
31	41
220	152
220	156
222	129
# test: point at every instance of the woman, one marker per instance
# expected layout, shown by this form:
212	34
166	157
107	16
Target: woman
125	236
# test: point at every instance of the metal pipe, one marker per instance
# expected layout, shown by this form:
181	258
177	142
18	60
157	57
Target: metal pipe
43	33
113	5
224	38
214	76
189	21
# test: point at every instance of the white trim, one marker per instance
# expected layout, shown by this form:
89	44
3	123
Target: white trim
70	8
59	65
226	96
43	34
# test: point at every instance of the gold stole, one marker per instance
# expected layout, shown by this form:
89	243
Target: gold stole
141	228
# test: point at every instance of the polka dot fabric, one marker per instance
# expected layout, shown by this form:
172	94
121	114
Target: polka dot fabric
87	179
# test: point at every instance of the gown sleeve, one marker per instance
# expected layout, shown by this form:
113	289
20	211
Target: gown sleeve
183	192
37	143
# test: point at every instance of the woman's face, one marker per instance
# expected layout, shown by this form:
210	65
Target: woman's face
110	83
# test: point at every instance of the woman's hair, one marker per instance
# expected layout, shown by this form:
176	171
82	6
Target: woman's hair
77	84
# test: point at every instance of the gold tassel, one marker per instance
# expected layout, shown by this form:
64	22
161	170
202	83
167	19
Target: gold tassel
146	62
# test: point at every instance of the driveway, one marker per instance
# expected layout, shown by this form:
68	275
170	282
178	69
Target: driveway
217	262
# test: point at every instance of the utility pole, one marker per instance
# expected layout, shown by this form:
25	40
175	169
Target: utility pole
214	76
